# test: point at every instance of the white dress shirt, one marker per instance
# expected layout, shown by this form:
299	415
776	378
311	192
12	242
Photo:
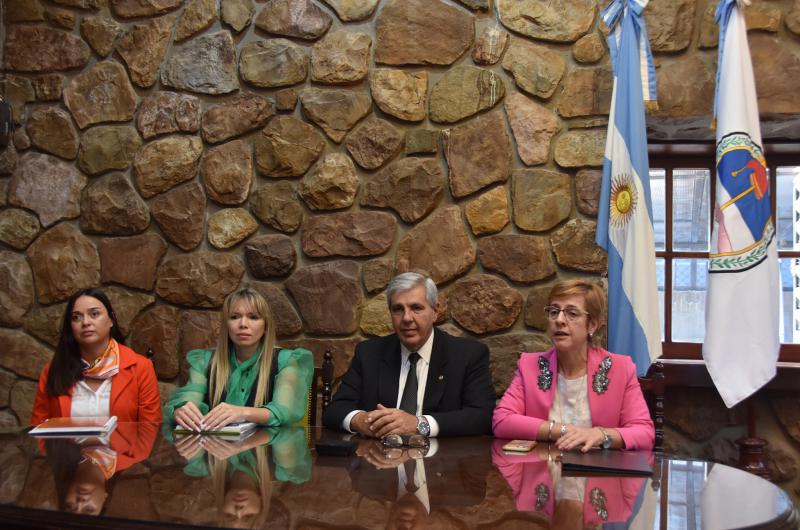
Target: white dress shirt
419	485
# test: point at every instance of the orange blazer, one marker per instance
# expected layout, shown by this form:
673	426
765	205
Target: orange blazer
133	442
134	392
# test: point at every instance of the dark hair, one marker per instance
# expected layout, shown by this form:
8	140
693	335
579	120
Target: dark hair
64	456
65	368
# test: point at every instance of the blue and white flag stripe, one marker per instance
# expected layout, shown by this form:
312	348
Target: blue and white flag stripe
611	16
624	225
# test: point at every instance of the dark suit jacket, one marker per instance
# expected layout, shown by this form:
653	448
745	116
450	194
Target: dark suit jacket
458	393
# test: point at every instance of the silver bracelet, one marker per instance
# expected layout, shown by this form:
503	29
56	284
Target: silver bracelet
550	430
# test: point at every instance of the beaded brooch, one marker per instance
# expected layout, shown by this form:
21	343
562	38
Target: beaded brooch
598	500
545	379
541	496
600	378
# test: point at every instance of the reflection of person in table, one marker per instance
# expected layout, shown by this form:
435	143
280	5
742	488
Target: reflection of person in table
83	468
576	394
240	470
420	481
538	486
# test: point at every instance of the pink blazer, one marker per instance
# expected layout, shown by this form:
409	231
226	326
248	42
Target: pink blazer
525	405
534	490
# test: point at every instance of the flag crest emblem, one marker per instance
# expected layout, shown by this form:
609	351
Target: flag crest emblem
742	173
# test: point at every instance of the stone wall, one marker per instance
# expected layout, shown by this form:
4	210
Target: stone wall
172	150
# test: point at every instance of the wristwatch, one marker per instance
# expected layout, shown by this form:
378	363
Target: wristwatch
423	427
606	444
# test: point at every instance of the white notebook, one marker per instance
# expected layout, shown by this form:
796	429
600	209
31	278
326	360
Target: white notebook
88	426
232	429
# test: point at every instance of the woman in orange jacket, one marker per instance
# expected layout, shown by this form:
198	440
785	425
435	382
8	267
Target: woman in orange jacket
92	372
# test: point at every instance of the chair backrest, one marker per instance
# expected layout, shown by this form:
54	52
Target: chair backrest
322	383
654	385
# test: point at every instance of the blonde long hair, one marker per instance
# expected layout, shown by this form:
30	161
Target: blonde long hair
219	479
220	363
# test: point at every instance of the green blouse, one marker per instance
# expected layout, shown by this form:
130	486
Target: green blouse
289	395
291	457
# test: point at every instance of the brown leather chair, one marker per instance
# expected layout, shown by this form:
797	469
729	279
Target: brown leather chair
653	387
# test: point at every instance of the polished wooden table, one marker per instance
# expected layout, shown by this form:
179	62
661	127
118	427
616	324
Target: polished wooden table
275	479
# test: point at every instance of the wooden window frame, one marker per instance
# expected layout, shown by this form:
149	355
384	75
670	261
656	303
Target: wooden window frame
701	156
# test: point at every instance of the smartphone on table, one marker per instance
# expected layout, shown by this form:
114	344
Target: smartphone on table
519	446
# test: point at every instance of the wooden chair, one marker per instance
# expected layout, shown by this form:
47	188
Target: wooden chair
322	383
653	387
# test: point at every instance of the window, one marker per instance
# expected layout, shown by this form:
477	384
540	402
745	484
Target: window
684	490
682	180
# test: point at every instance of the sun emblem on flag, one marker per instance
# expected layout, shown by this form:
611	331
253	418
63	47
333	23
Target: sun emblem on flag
623	200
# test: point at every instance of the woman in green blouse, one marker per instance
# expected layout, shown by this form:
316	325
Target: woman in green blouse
238	381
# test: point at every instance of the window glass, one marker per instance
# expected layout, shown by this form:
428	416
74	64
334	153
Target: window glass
684	491
658	196
689	285
790	300
788	206
660	284
690	209
683	216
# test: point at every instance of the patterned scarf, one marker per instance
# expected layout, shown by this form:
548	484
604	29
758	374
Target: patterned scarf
103	457
105	366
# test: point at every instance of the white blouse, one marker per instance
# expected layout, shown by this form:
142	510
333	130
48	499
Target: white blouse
571	407
88	402
571	404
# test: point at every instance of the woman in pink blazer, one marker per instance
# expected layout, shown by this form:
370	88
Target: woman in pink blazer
576	395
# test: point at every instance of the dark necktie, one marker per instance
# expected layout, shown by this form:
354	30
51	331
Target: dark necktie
408	402
410	467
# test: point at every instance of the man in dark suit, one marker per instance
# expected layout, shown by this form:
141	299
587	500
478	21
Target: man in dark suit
419	380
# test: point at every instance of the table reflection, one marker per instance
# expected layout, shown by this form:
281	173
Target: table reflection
82	467
139	478
242	471
571	502
419	484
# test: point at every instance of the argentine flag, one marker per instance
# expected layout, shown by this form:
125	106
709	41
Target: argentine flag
624	224
743	300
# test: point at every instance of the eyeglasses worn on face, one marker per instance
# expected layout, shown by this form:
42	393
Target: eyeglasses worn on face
570	313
